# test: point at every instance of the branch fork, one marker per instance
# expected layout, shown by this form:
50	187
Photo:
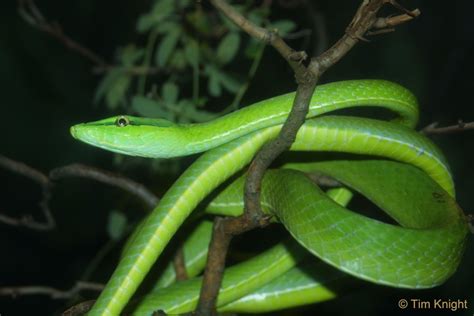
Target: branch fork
306	76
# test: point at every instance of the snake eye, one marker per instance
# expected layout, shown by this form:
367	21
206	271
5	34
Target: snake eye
122	121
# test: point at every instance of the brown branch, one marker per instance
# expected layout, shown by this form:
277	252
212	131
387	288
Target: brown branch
31	14
306	78
107	177
46	186
73	170
179	265
79	309
15	291
323	180
270	37
433	128
214	267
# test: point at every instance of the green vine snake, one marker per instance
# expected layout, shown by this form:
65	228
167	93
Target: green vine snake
417	191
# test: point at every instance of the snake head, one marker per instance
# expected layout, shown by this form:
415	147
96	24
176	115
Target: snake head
130	135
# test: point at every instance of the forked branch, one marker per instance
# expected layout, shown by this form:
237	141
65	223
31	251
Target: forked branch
307	76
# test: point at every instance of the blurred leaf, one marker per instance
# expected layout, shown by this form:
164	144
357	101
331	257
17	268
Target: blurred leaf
113	87
257	16
166	166
170	93
189	110
229	24
183	3
130	54
106	83
166	47
200	102
219	79
230	83
116	224
147	107
253	48
191	52
214	85
117	90
166	27
178	59
200	22
284	26
228	47
161	10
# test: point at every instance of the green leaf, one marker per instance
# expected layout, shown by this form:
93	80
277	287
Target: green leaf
214	85
229	24
184	3
200	22
170	92
147	107
116	224
116	93
228	47
166	47
230	83
252	49
130	54
284	26
257	16
106	83
178	59
189	110
167	27
161	10
191	52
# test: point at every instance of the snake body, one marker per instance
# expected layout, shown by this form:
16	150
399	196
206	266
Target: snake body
230	143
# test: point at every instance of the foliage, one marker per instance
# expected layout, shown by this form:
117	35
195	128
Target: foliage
184	63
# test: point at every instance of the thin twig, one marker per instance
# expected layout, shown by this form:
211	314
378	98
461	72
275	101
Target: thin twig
79	309
244	87
46	186
107	177
306	78
179	265
31	14
54	293
268	37
433	129
73	170
323	180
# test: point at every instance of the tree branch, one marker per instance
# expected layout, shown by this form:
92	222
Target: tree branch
270	37
33	16
15	291
79	309
46	186
179	265
306	77
73	170
107	177
433	128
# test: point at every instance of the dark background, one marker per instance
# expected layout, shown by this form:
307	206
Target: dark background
46	88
